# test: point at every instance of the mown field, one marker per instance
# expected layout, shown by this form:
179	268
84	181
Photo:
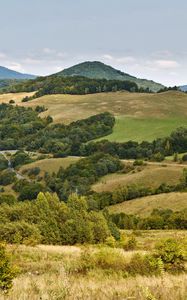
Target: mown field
58	272
138	116
144	206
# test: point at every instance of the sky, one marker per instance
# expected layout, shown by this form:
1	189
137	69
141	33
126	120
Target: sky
145	38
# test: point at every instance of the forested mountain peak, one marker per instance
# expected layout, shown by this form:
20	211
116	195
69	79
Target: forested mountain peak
99	70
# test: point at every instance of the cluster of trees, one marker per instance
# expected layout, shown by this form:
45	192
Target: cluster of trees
17	123
79	176
159	219
63	140
166	89
50	221
75	85
22	128
3	163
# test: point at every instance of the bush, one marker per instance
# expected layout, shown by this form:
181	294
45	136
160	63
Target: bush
11	101
184	158
138	162
144	265
130	244
7	177
34	171
110	241
7	272
171	253
19	232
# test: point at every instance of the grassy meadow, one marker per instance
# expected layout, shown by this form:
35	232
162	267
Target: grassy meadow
58	272
50	165
148	176
144	206
139	116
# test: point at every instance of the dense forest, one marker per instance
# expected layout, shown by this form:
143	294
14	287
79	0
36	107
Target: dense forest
75	85
19	126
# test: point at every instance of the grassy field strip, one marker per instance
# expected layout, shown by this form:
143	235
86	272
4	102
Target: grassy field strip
138	129
161	164
144	206
51	165
17	97
151	175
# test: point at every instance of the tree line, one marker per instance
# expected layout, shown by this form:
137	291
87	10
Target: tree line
73	85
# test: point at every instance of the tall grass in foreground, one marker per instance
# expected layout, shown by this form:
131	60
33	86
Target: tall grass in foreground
90	273
96	286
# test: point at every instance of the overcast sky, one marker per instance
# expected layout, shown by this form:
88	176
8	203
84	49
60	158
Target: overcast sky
146	38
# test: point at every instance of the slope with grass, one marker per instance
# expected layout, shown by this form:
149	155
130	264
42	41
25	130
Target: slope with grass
138	116
145	205
148	176
50	165
17	97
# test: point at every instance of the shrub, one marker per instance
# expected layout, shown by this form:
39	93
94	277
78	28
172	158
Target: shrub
19	232
144	265
34	171
138	162
110	241
184	158
130	244
7	177
110	259
11	101
171	253
7	272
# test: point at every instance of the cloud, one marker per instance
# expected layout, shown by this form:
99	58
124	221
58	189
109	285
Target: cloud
16	67
166	64
2	55
48	51
119	60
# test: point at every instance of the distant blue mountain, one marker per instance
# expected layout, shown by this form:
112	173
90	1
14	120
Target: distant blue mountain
183	88
6	73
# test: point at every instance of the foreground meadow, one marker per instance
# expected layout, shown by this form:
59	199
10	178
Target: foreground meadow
67	272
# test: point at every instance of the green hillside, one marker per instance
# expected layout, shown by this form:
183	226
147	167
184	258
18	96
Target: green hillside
99	70
6	73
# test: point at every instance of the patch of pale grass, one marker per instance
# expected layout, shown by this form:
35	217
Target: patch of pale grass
97	287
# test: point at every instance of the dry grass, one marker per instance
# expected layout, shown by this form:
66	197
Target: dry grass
149	176
144	206
45	274
51	165
69	108
17	97
139	116
60	286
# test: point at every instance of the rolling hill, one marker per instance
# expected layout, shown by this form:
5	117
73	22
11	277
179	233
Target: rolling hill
183	88
6	73
145	205
139	116
99	70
